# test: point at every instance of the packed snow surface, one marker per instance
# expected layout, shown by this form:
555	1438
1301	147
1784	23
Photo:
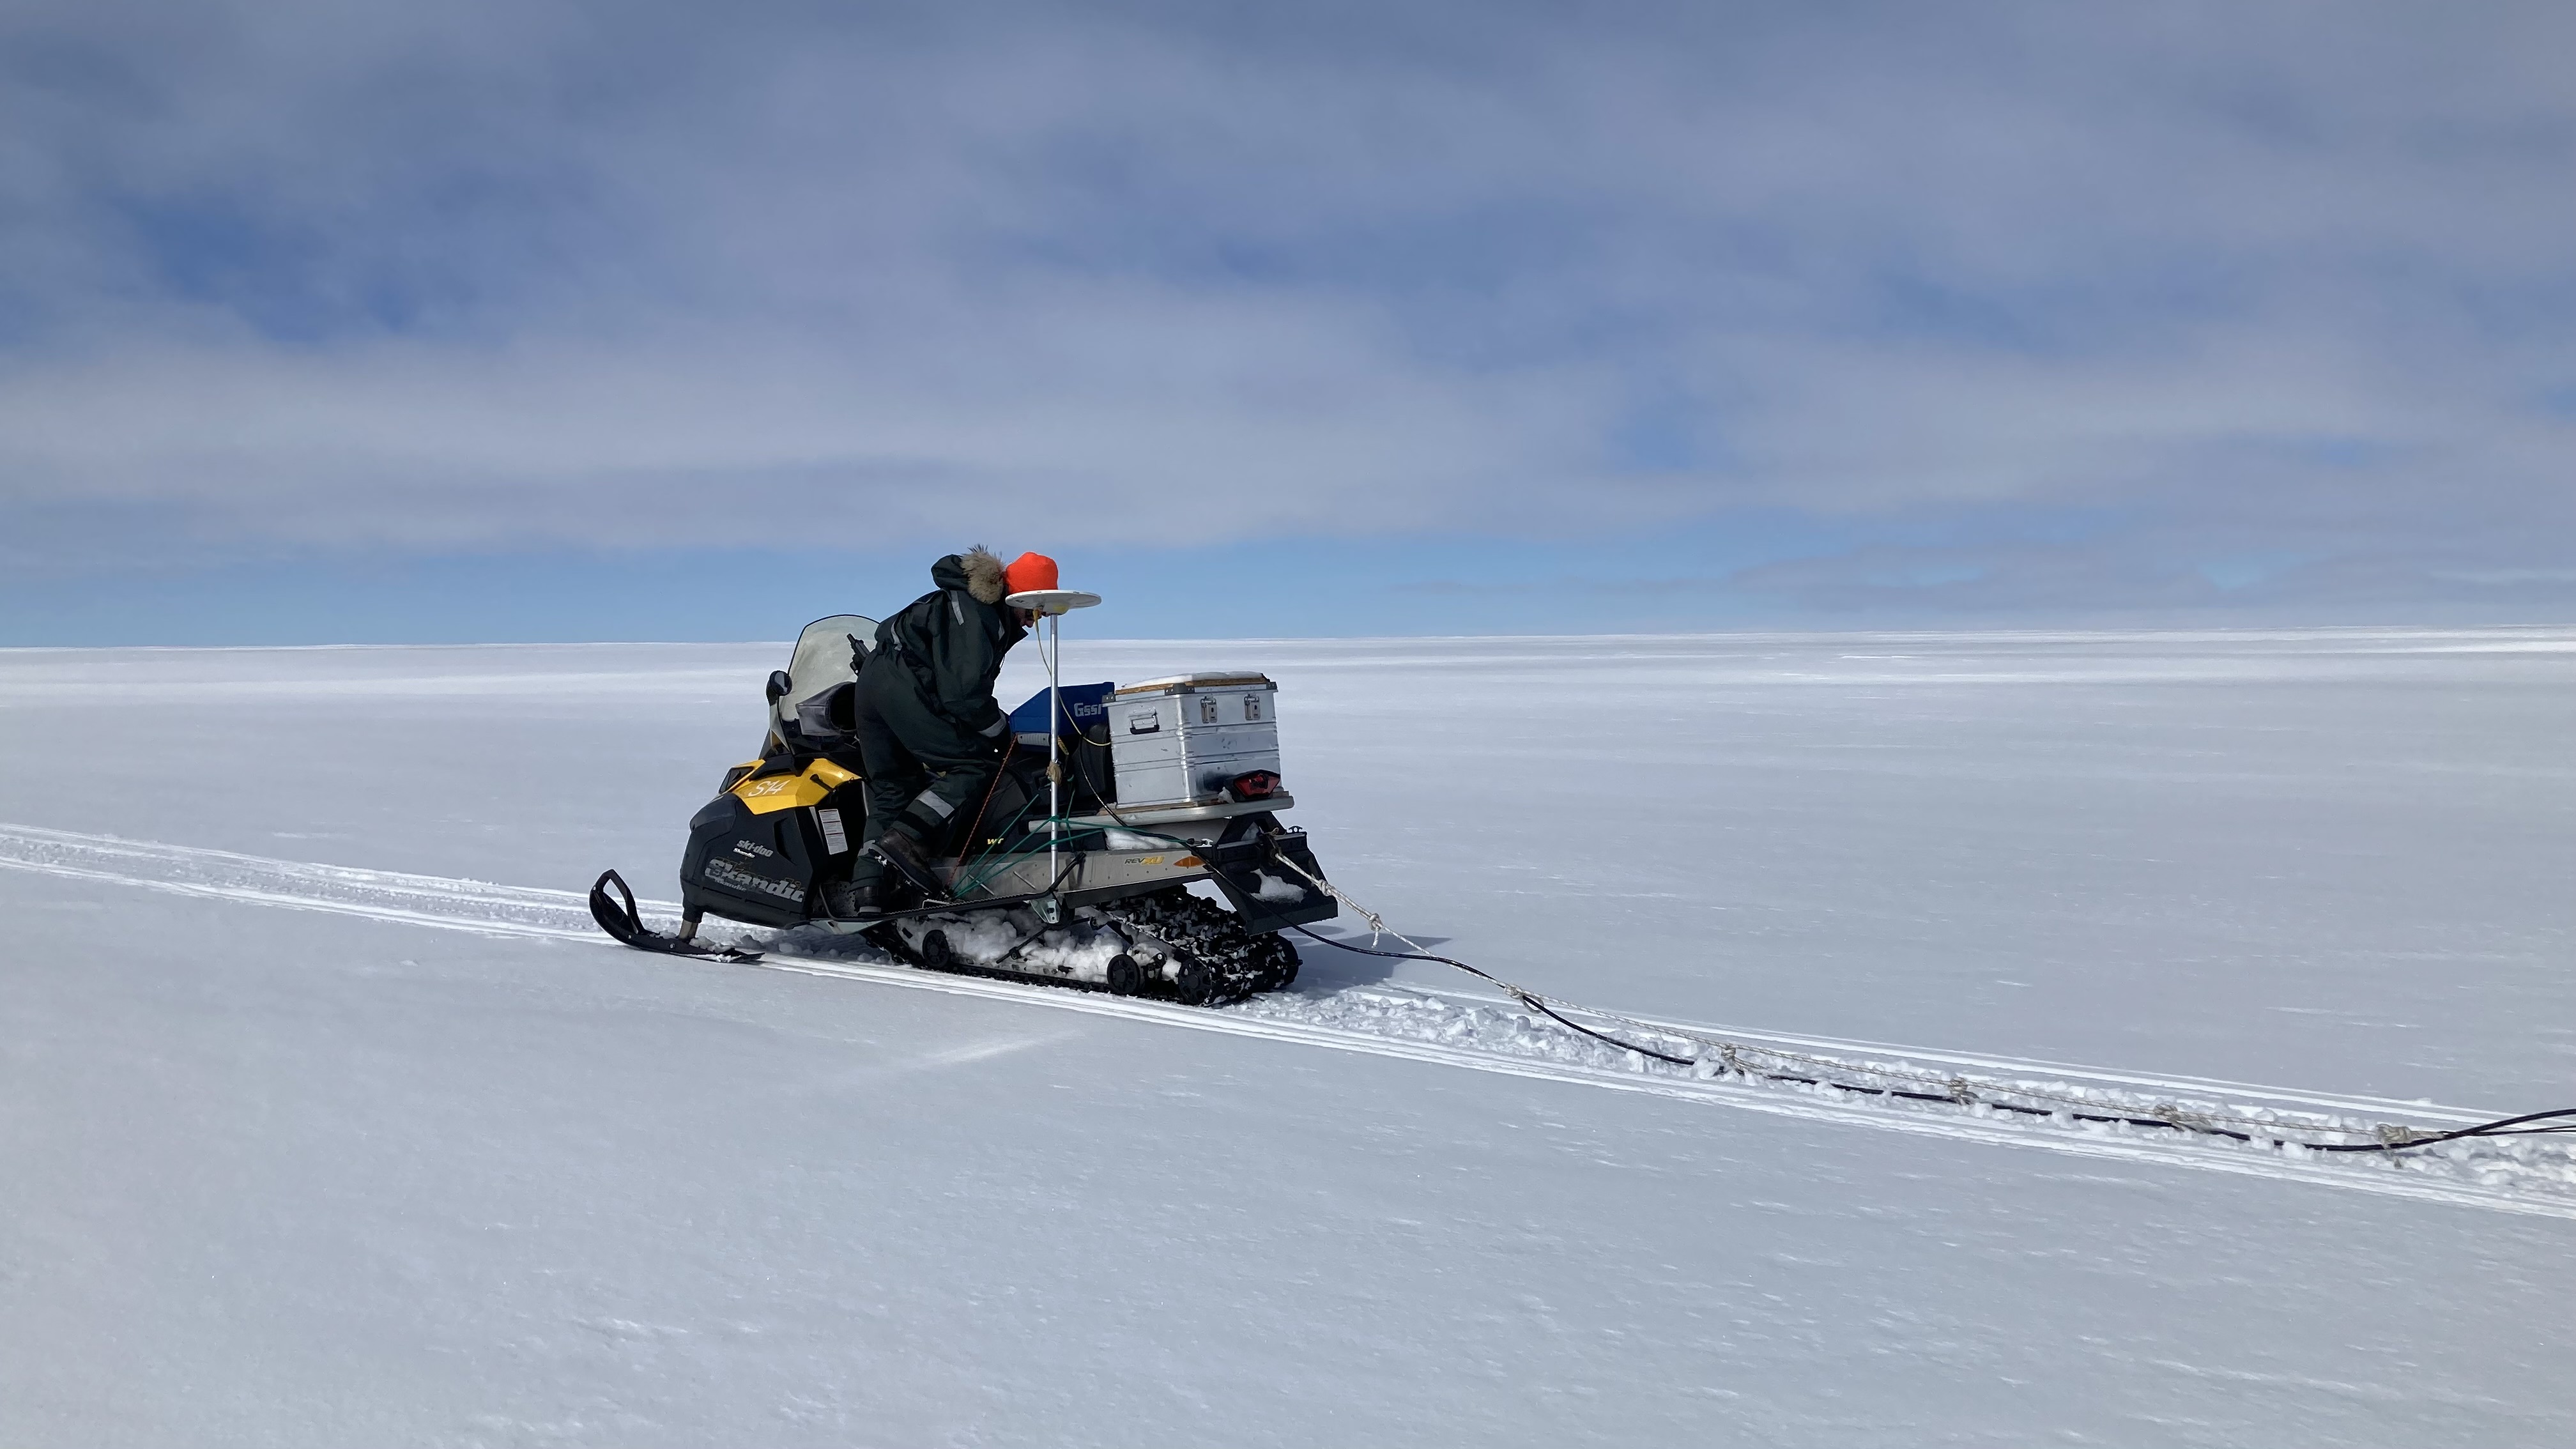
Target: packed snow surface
327	1119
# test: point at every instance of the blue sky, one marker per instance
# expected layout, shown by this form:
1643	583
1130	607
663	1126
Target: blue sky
344	322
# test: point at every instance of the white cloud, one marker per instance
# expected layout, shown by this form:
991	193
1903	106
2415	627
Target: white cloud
466	277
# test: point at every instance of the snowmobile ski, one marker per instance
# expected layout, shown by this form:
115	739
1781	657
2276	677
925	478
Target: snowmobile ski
617	916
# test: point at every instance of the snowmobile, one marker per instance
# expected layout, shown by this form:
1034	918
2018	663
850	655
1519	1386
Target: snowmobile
1057	878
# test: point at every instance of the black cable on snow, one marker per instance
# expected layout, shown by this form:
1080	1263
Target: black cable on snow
2396	1139
2401	1140
2500	1127
1530	999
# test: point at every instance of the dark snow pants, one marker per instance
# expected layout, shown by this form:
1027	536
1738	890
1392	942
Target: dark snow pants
924	772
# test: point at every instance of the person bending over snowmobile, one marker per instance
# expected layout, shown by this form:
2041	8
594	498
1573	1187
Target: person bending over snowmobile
930	732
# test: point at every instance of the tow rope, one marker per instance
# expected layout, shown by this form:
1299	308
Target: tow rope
1752	1062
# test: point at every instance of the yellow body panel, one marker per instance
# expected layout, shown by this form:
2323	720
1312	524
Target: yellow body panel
786	792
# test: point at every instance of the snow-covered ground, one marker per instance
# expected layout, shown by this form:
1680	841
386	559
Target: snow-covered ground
418	1162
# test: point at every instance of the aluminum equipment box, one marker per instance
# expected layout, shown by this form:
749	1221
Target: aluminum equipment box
1181	739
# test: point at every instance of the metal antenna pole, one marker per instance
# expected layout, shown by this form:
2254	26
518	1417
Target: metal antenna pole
1055	710
1050	605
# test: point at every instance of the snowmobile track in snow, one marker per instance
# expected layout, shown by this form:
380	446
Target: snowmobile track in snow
1460	1029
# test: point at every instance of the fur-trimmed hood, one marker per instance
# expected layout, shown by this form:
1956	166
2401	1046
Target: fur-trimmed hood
950	652
978	571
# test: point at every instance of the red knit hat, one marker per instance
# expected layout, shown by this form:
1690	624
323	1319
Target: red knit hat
1029	571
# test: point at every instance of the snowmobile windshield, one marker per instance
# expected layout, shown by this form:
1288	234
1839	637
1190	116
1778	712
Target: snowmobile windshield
827	655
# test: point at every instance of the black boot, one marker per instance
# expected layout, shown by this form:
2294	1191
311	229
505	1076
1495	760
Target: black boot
898	849
854	900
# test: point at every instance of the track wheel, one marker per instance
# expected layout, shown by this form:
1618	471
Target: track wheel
1124	977
1196	983
934	951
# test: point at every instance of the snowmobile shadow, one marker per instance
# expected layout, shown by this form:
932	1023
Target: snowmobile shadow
1326	967
1359	937
828	946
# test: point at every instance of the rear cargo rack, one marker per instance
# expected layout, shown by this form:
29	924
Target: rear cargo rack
1180	810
